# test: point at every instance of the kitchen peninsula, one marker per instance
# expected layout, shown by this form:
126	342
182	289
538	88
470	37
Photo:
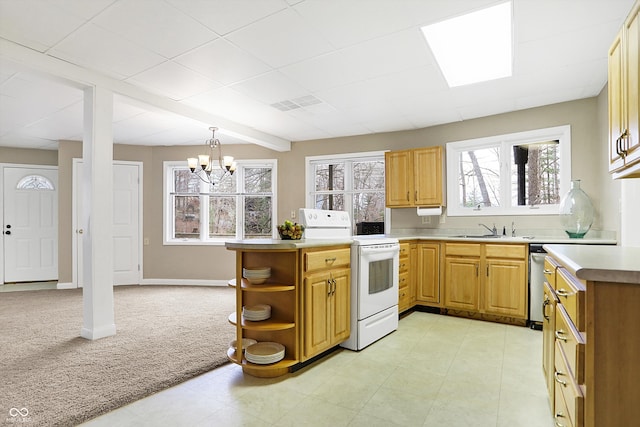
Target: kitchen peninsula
591	349
308	294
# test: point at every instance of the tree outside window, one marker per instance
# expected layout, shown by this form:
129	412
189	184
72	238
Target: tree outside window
352	183
516	174
239	206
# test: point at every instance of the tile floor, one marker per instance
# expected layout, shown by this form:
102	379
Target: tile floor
433	371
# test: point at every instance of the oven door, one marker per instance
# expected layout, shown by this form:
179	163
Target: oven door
377	278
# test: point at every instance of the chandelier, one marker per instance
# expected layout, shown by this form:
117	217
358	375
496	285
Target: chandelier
202	166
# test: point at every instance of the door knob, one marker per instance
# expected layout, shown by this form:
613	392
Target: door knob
7	232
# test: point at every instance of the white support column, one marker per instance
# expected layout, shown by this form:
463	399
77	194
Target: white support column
97	212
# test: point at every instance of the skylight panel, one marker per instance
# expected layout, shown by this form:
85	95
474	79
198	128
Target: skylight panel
475	47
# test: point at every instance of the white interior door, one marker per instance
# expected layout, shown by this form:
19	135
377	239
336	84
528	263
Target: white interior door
30	224
127	252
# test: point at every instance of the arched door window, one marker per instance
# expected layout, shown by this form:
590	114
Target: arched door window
35	182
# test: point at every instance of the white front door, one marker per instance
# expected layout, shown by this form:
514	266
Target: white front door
126	223
30	224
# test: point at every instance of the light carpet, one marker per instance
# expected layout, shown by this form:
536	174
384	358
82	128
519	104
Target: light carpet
51	376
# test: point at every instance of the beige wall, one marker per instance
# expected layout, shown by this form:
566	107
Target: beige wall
28	157
587	117
589	159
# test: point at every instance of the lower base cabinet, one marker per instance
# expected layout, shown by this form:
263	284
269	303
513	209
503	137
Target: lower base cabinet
428	267
326	310
487	279
309	294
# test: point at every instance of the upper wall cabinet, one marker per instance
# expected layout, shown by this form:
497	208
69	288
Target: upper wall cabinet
624	111
414	177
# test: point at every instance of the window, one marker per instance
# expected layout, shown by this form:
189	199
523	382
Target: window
351	182
238	206
516	174
35	182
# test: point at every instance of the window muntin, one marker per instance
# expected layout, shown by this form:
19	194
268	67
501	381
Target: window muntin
351	182
516	174
240	206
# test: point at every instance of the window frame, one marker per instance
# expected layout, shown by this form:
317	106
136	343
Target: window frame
170	166
311	192
506	142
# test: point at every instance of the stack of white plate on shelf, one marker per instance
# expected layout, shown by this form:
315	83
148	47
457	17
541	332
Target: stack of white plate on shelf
256	312
256	275
264	353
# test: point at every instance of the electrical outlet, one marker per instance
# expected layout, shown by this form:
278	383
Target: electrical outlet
293	214
146	241
426	220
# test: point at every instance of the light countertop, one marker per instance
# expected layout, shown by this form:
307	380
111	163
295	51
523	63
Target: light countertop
599	263
284	244
310	243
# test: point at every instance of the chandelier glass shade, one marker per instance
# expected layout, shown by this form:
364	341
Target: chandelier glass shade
203	165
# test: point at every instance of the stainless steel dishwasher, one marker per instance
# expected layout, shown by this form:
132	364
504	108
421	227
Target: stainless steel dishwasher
536	284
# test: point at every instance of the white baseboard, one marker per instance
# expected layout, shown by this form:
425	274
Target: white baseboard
184	282
65	286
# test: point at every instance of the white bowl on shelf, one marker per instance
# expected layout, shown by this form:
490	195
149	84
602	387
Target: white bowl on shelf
256	276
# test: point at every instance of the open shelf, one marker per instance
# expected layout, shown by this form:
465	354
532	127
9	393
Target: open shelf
266	287
272	324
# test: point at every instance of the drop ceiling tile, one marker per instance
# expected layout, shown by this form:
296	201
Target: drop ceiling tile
547	18
63	124
270	88
35	23
98	49
224	16
173	80
221	61
394	53
348	23
82	8
280	39
156	26
563	49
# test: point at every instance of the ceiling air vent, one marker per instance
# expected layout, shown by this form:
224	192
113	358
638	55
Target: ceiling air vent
292	104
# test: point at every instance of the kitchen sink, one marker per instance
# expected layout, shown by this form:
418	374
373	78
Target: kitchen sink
479	236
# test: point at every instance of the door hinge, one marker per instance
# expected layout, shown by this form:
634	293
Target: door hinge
138	267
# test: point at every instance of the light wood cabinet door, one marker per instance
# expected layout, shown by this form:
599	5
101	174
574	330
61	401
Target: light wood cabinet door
632	76
317	333
340	301
624	98
414	177
462	283
548	339
428	273
427	172
326	310
616	109
505	290
398	178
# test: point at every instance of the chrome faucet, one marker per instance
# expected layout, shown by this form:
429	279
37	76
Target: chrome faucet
494	231
513	229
